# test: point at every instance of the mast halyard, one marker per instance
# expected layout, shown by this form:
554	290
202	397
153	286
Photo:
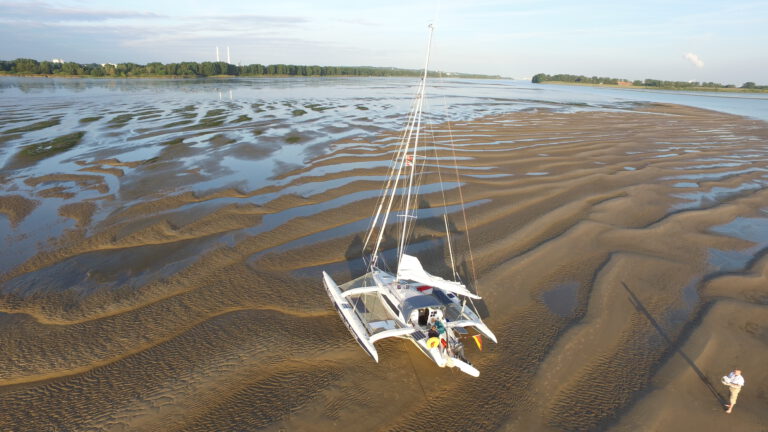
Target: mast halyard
408	150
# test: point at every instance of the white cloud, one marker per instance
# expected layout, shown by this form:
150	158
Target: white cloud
42	12
693	58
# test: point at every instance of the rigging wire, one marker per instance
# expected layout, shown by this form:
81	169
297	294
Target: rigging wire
411	136
445	200
395	166
452	148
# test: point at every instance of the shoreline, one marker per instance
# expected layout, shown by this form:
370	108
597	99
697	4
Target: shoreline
677	89
231	76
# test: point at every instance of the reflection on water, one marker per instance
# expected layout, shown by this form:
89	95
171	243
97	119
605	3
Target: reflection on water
716	195
754	230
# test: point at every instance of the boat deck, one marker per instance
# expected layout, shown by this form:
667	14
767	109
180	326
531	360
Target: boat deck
368	306
376	317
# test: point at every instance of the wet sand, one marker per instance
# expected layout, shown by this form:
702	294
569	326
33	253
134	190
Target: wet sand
621	256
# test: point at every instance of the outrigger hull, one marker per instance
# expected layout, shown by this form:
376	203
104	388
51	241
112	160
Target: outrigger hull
353	323
446	361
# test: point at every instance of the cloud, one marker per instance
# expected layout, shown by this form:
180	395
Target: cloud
693	58
38	11
98	34
252	20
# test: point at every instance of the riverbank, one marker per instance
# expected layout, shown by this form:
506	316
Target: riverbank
180	76
679	89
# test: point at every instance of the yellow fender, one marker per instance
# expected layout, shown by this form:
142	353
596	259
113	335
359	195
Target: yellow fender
433	342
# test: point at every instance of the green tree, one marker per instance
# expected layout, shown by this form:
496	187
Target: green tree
24	65
155	68
189	68
45	68
172	69
210	69
71	68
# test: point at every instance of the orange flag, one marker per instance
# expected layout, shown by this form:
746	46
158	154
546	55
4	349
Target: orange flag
479	341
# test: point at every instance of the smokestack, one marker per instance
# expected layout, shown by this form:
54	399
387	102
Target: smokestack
228	61
217	54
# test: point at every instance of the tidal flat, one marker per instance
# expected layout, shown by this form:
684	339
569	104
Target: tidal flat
164	273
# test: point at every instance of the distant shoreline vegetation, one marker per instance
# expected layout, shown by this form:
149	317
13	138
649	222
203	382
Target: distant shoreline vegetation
646	84
30	67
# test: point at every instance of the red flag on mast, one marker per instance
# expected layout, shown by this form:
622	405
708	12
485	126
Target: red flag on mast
478	340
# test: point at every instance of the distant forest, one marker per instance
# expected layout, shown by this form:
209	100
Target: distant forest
23	66
694	85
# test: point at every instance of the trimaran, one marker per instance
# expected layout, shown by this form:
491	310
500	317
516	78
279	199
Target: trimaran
410	303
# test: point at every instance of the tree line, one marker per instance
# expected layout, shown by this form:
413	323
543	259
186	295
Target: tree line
23	66
540	78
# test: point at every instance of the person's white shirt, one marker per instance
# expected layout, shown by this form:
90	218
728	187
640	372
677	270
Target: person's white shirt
736	379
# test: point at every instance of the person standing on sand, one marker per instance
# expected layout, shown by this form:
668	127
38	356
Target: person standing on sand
735	382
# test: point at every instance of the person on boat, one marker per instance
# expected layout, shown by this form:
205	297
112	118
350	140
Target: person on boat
735	382
433	332
440	326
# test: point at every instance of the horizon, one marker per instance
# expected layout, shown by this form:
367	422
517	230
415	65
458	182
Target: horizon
657	40
457	73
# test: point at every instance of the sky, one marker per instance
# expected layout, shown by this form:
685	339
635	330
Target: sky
723	41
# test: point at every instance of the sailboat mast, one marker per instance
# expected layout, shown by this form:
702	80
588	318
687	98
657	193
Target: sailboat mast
409	199
412	132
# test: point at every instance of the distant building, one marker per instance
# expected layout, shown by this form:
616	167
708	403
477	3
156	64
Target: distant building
624	83
111	64
57	61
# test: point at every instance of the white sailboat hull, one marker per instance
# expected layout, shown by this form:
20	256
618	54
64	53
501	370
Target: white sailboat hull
353	323
465	367
377	305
